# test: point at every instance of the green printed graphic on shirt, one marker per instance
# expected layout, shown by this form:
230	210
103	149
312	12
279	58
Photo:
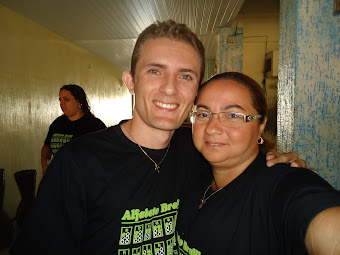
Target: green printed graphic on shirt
136	251
157	228
124	252
169	225
170	245
147	249
184	248
149	231
58	140
159	248
138	234
125	235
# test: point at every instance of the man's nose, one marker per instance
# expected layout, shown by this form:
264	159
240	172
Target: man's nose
169	85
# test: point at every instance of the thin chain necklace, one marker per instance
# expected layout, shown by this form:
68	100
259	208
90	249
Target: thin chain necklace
157	167
204	200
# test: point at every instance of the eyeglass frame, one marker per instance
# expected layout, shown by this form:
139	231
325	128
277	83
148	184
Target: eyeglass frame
246	118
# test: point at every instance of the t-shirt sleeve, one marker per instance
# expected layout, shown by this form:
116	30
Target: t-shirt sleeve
299	197
49	134
91	124
100	125
54	223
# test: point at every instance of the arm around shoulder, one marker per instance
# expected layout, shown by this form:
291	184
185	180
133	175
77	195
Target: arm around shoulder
323	233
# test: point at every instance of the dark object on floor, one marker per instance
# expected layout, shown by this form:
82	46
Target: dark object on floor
26	181
6	226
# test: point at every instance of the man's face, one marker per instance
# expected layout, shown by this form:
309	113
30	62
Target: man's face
165	83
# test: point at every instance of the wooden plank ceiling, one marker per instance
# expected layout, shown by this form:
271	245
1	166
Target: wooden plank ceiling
109	28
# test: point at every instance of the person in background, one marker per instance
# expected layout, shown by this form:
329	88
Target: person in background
118	191
76	121
247	208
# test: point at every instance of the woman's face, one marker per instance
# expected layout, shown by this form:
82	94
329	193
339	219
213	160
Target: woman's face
220	145
69	105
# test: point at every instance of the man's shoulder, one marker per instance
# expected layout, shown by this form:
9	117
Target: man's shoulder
182	133
92	141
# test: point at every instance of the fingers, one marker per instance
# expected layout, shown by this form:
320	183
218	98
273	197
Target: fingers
273	157
298	163
289	157
272	154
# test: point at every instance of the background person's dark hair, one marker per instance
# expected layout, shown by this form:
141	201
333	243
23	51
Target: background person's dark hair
172	30
80	95
258	100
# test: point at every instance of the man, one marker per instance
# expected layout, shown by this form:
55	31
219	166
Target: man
118	191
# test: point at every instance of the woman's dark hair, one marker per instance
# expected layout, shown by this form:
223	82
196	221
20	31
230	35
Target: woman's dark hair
80	95
258	100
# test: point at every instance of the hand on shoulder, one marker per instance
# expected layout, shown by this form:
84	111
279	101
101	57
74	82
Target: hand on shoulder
274	157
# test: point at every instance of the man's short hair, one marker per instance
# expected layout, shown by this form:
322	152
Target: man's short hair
172	30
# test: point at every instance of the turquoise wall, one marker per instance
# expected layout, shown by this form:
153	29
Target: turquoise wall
309	86
229	55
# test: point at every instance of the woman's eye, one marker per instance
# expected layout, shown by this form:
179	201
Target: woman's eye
203	115
233	115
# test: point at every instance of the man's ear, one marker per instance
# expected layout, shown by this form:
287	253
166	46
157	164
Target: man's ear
128	81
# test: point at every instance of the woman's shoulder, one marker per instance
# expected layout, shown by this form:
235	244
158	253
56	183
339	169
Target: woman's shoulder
89	118
293	179
108	139
60	120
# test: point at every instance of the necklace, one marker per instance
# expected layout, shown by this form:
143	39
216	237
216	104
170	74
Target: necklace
157	167
204	200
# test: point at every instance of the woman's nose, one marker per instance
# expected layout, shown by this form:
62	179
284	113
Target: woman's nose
214	125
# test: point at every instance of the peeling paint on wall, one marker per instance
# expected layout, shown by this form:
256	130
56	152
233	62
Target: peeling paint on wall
286	85
230	55
309	84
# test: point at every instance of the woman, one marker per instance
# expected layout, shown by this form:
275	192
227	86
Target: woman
76	121
248	208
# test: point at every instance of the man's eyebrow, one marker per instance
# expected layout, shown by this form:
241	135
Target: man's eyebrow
155	65
186	70
182	70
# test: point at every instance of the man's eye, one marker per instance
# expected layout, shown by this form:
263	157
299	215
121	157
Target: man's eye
186	77
154	72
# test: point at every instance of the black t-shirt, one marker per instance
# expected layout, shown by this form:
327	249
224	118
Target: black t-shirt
102	195
263	211
62	130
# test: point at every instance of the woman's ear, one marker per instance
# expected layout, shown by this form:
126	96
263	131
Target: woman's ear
128	81
262	126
